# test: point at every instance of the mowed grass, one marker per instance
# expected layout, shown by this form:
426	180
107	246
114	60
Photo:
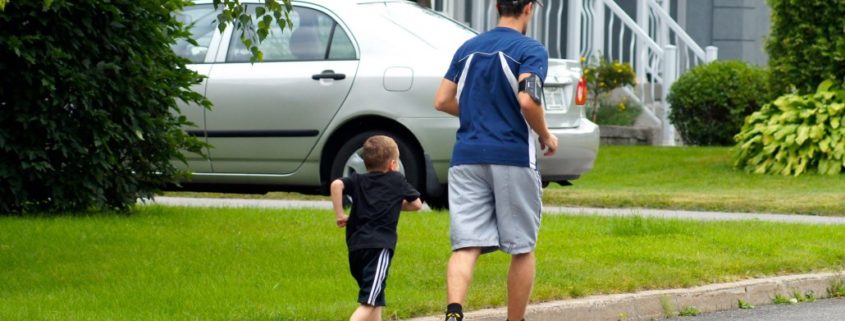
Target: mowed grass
169	263
683	178
695	178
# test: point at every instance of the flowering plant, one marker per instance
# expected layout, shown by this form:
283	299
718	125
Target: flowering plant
603	76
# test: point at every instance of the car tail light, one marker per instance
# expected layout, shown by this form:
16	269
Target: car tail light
581	92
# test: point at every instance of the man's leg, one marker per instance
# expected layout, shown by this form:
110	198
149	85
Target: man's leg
518	193
520	281
472	229
459	274
366	313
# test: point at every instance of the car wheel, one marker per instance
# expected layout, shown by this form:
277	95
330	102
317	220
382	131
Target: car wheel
348	159
440	202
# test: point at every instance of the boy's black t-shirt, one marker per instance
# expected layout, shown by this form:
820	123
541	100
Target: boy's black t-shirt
376	203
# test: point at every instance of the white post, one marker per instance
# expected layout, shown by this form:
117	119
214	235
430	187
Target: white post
670	69
478	17
573	47
711	54
449	9
598	27
641	59
663	32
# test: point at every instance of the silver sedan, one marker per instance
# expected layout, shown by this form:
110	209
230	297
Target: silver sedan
346	70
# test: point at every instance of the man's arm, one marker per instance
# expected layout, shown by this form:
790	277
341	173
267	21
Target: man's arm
446	99
536	118
337	203
416	205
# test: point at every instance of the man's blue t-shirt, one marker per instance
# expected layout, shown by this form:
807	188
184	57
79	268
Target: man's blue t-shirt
486	68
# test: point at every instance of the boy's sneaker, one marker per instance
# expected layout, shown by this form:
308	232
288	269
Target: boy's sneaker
453	316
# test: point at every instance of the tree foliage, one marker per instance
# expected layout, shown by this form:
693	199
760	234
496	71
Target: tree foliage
710	102
806	45
88	114
251	35
796	134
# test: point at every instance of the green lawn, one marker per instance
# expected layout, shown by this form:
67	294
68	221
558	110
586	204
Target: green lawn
163	263
695	178
689	178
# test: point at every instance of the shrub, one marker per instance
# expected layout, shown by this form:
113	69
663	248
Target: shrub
603	76
619	114
796	134
710	102
88	115
806	44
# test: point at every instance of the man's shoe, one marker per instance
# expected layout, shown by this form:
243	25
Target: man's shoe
453	316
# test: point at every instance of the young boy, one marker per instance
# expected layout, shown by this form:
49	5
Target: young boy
377	198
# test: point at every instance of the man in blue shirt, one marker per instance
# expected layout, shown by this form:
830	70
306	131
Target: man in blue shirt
494	86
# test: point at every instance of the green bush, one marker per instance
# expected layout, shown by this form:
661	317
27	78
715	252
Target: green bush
710	102
806	44
88	115
796	134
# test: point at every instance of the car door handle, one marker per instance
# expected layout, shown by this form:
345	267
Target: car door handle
328	74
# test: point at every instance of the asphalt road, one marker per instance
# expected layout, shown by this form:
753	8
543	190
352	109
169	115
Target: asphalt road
822	310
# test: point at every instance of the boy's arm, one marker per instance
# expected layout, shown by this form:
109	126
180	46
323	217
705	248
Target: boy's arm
337	203
414	205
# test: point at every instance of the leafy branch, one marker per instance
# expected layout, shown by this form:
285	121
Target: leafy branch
236	13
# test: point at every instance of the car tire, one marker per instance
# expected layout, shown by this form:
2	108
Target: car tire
439	203
408	157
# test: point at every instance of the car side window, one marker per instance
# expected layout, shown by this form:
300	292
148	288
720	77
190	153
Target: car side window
314	36
202	21
341	48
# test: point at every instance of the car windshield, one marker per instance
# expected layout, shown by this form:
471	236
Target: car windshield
428	25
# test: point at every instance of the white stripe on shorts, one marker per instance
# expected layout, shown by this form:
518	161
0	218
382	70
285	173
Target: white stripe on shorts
381	270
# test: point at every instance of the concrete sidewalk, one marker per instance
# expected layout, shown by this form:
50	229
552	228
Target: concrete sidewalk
551	210
646	305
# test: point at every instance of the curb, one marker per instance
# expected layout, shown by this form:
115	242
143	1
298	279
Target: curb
649	305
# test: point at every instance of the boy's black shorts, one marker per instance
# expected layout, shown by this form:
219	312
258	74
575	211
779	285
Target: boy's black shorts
369	267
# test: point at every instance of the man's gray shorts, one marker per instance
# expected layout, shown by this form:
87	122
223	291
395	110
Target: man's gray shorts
494	207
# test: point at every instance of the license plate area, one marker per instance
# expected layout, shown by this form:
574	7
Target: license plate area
557	99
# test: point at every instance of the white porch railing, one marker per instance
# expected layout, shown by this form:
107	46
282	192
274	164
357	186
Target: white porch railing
656	46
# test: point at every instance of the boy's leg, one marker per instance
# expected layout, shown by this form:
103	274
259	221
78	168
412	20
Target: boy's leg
370	268
520	281
366	313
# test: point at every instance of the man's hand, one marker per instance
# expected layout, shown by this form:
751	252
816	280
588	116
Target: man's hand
341	220
549	144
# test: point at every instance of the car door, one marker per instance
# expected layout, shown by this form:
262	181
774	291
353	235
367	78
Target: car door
202	22
268	116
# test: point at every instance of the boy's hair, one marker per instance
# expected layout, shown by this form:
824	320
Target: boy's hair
378	151
512	8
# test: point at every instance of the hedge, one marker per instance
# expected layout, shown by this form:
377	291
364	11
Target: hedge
806	45
710	102
88	114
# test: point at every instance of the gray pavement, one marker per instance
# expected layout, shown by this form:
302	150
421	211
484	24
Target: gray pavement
670	214
822	310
